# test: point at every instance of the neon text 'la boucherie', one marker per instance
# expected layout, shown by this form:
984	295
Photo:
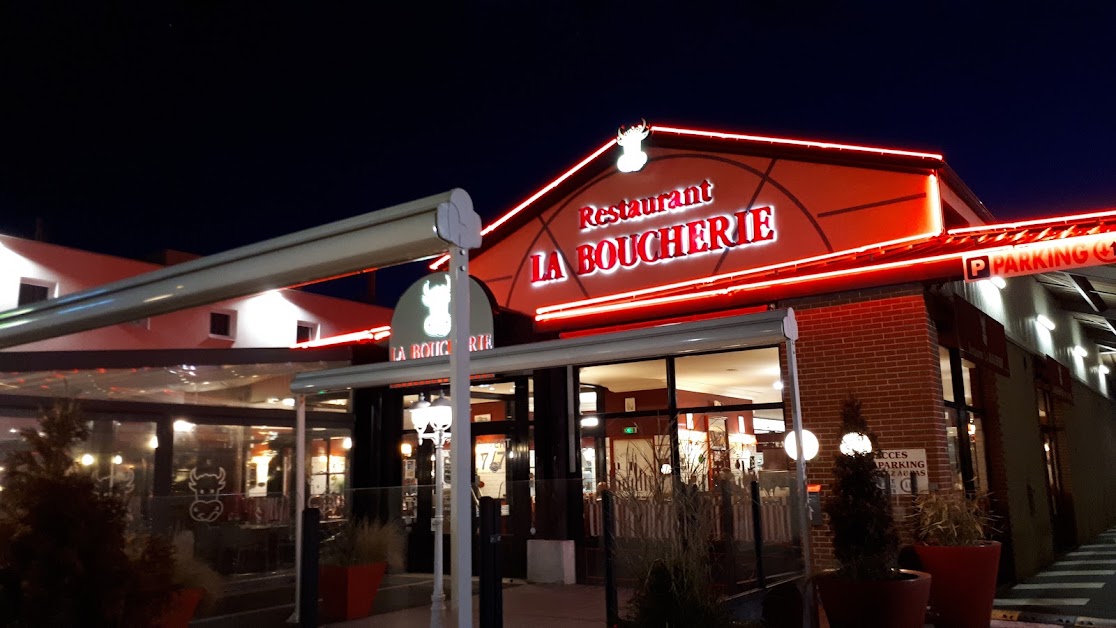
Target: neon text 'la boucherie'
657	245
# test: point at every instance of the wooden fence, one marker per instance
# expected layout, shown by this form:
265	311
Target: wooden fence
656	520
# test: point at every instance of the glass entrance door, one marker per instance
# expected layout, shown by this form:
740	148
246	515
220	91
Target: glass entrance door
500	415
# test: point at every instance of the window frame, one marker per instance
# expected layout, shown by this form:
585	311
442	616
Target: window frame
51	288
315	330
232	324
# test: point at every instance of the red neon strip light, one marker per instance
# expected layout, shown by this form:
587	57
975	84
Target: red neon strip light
1108	213
627	305
793	142
751	271
376	333
693	132
534	197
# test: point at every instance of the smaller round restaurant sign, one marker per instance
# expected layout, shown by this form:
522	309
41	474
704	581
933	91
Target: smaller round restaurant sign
422	323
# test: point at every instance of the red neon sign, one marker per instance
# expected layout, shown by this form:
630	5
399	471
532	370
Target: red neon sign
747	226
675	200
792	142
703	235
534	197
374	334
1026	259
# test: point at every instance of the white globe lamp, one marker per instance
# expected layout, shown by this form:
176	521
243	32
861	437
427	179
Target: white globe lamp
855	443
809	445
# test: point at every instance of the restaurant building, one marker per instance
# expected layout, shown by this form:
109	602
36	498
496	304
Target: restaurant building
979	349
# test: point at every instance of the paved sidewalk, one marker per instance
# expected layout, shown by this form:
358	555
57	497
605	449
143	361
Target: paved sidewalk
534	605
1079	589
545	606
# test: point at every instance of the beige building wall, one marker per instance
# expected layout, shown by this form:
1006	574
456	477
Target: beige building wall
1088	445
1016	405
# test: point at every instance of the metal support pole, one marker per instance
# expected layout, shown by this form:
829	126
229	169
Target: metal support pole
491	582
307	591
438	597
608	536
800	483
757	534
728	542
300	496
461	518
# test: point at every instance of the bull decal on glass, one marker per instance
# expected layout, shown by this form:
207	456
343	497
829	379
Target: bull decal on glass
436	298
206	506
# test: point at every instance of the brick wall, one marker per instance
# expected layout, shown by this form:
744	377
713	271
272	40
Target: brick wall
881	346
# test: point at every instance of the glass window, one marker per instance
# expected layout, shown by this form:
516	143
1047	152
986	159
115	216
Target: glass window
947	374
32	293
246	473
491	402
968	374
951	446
638	454
724	379
969	377
980	466
629	386
12	441
328	462
491	458
588	465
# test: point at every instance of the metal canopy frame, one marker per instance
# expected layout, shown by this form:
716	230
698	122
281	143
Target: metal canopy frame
736	332
412	231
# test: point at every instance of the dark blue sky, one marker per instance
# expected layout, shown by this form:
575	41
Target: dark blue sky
134	126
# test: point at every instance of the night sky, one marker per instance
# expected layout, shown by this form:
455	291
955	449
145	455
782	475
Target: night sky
129	127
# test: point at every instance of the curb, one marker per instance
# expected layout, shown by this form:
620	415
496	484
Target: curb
1050	618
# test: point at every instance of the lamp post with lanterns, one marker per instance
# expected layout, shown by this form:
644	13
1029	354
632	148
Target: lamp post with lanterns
431	420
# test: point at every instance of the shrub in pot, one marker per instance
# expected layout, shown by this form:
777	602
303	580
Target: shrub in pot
353	564
868	589
64	559
951	530
199	586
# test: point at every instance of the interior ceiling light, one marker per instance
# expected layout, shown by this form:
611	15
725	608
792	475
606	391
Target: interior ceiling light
1080	351
1045	322
1103	370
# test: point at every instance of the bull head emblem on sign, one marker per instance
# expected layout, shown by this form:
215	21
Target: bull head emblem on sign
631	140
206	486
437	301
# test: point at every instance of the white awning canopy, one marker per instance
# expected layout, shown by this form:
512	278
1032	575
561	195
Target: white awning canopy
415	230
736	332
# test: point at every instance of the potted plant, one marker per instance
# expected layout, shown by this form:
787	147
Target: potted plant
64	559
198	586
867	589
951	530
353	564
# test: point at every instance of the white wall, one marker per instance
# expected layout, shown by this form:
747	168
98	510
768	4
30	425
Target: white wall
265	320
1017	307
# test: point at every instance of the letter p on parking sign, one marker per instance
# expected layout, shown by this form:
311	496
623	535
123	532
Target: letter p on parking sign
977	268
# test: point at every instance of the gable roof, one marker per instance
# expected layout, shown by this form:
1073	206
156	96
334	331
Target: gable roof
713	141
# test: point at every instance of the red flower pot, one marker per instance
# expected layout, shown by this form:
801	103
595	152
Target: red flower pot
898	603
349	592
964	582
180	611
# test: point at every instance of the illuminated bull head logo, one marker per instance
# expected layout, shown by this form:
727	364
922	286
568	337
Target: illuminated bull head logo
631	140
206	486
437	301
